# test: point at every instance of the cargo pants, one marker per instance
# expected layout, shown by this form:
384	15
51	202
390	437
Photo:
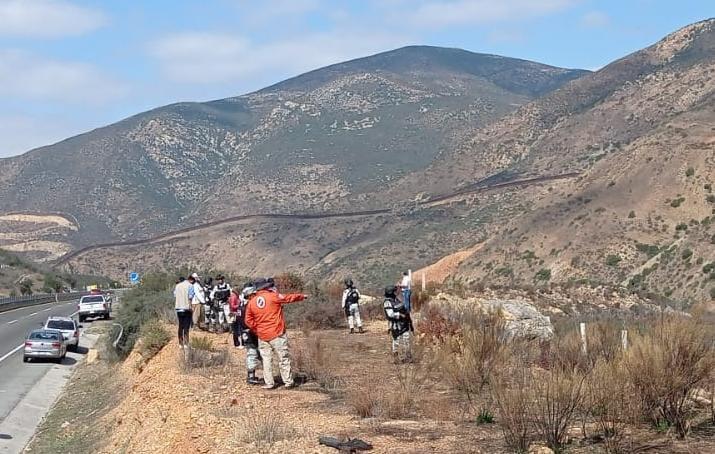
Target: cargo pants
280	346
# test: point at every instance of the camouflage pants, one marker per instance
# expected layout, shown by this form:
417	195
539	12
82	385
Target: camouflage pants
402	342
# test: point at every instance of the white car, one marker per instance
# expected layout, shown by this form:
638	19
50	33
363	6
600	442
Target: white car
69	329
93	306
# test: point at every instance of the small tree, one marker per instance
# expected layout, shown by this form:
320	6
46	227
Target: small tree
26	287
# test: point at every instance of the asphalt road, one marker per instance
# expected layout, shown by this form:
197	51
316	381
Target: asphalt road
16	377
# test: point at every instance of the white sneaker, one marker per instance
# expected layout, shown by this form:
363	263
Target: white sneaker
267	386
241	347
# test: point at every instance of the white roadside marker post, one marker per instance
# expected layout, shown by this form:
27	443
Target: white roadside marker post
624	339
584	345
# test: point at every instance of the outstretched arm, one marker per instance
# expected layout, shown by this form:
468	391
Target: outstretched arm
290	298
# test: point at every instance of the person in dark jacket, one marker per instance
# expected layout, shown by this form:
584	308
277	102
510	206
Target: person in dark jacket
399	325
248	337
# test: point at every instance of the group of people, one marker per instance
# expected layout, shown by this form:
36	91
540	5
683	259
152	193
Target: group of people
255	314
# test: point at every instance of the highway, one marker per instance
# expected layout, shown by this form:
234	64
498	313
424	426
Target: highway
16	377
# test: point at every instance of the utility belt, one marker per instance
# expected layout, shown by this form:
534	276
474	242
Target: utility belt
399	327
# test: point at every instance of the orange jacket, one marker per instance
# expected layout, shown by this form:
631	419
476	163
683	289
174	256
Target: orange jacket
264	313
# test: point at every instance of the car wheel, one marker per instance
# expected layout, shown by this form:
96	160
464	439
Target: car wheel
82	319
25	359
106	316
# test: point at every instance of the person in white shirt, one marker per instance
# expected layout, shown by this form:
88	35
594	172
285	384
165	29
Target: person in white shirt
350	304
198	300
406	286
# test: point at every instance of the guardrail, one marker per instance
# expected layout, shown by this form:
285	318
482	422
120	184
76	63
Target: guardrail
14	302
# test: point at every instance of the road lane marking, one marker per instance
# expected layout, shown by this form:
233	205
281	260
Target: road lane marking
9	354
47	310
34	313
14	321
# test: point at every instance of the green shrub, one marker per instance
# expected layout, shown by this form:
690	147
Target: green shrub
153	337
632	214
543	274
613	260
690	172
681	226
151	300
712	293
686	254
650	249
677	202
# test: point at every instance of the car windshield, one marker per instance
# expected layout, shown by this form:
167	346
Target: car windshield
93	299
61	324
44	335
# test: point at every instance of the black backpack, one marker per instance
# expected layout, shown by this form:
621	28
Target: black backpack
352	298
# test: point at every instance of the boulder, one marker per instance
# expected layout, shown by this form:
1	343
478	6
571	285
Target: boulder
523	320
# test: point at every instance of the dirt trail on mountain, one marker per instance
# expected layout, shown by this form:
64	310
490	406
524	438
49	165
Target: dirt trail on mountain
439	271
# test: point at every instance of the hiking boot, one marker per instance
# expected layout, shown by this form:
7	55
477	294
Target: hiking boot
252	379
360	330
352	330
395	358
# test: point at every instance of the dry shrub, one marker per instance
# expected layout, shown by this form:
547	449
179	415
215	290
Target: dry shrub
266	429
400	401
603	342
609	401
372	311
202	355
153	337
471	358
418	300
512	396
289	283
666	367
318	312
365	399
435	325
310	359
558	395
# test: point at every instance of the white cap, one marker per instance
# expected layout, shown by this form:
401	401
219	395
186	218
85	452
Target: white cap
195	276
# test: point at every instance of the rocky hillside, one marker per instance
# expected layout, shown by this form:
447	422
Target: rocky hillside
317	142
640	132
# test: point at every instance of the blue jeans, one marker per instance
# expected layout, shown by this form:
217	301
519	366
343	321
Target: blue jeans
406	294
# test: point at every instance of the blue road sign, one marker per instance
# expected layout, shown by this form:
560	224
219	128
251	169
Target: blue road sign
134	277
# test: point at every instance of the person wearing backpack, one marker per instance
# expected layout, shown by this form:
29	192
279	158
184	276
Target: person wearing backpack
351	306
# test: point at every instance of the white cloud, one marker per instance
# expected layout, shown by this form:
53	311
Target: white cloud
595	19
47	18
28	76
441	14
205	58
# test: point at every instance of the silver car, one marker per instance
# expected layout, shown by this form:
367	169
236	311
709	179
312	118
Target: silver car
44	343
69	329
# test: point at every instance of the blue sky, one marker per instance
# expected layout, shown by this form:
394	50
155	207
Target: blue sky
67	66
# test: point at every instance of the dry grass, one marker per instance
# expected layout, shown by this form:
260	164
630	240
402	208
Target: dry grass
266	429
666	367
310	359
512	398
558	396
470	359
203	355
610	402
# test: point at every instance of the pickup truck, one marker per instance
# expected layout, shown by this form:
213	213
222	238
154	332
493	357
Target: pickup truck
93	306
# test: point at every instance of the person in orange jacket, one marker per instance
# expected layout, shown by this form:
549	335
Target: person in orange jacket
264	316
